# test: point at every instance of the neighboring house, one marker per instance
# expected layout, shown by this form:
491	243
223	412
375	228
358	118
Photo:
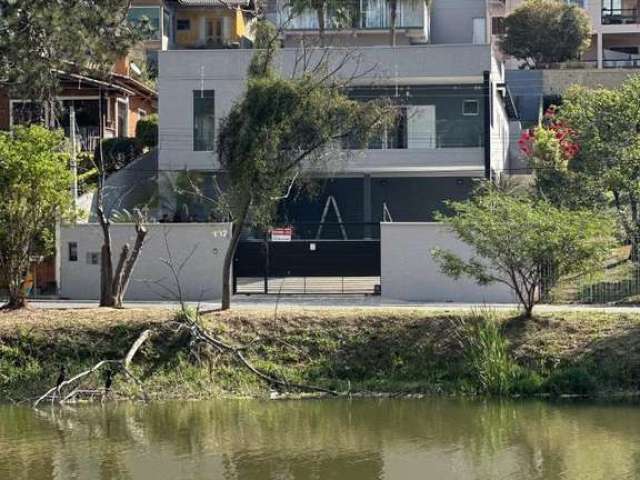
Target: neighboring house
184	24
450	89
613	56
615	27
124	102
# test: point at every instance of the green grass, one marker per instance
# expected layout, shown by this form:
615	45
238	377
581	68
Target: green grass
370	350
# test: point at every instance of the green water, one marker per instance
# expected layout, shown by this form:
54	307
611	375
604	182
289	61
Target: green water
336	439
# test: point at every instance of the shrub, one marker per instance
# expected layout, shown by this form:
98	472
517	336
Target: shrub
571	380
526	382
118	153
147	131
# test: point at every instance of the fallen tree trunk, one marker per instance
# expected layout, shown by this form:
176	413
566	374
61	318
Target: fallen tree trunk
55	391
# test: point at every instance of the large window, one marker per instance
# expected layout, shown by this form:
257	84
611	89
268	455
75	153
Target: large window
429	116
123	119
204	120
151	14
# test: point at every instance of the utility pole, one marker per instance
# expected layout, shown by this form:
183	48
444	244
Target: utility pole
74	162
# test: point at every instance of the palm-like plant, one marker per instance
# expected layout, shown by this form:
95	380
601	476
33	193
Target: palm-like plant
393	15
321	7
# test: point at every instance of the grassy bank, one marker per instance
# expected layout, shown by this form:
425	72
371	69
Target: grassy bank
396	351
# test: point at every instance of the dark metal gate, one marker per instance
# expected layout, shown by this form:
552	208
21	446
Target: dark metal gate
309	266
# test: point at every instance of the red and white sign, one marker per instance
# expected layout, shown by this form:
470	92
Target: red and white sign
281	234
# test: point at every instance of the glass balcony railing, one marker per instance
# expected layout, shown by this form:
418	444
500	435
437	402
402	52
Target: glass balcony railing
360	14
620	16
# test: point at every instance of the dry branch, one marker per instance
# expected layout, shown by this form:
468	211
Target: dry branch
199	334
135	347
55	391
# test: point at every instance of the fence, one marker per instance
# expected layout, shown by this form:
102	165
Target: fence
618	281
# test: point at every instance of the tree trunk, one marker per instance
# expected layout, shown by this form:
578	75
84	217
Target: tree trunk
528	311
236	228
634	255
17	298
321	23
125	276
393	14
107	298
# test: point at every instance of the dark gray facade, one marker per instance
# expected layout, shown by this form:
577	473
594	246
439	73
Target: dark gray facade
363	200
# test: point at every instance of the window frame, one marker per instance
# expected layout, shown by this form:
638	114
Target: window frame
183	21
471	101
199	145
72	251
93	258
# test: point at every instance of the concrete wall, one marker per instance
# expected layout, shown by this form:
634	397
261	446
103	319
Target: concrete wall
452	20
556	82
500	129
409	271
200	278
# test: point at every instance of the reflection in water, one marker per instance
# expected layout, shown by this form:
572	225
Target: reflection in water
335	439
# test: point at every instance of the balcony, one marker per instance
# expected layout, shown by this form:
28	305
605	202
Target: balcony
620	16
431	162
362	15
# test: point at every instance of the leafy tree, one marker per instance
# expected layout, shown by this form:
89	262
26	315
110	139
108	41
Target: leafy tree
147	131
542	32
35	185
40	38
606	123
279	128
516	238
553	152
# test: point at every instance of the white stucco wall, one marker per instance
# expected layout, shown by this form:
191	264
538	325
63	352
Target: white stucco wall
200	246
409	271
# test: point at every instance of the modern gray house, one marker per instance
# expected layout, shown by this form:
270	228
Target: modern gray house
455	110
367	227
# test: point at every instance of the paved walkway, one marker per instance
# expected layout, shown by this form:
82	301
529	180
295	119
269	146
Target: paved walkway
315	302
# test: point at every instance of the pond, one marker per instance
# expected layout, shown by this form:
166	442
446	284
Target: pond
322	439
